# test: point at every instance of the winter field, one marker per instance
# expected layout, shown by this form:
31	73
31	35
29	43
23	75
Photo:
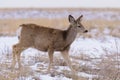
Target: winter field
94	55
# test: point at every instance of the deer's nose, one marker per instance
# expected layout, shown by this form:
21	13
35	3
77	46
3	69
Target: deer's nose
85	31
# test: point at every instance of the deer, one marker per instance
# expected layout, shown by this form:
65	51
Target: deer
48	40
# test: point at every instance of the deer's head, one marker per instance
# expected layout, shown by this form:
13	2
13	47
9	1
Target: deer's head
77	23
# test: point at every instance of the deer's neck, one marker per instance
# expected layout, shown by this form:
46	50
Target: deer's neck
71	35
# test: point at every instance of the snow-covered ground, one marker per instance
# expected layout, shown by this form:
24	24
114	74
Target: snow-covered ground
91	56
90	46
94	48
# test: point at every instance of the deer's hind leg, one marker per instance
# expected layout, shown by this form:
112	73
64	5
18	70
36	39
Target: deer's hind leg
50	53
13	56
17	49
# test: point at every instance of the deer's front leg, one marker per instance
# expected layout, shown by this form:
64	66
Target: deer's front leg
66	57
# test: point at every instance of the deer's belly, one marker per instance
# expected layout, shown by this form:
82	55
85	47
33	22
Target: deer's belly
43	43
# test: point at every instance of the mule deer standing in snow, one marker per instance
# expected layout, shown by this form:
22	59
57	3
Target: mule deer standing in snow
47	39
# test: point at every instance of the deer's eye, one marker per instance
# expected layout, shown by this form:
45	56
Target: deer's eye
79	26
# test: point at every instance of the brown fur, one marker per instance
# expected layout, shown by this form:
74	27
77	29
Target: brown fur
47	39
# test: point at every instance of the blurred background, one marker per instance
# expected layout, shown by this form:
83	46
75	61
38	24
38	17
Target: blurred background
103	15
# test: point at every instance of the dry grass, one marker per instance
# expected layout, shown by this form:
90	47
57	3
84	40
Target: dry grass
109	68
105	67
9	26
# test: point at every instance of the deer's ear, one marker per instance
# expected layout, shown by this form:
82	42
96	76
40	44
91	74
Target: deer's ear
80	18
71	19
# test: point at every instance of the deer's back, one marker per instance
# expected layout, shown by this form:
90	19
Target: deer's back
42	38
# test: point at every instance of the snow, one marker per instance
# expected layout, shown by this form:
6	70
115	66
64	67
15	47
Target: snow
86	75
95	47
6	43
47	77
92	47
